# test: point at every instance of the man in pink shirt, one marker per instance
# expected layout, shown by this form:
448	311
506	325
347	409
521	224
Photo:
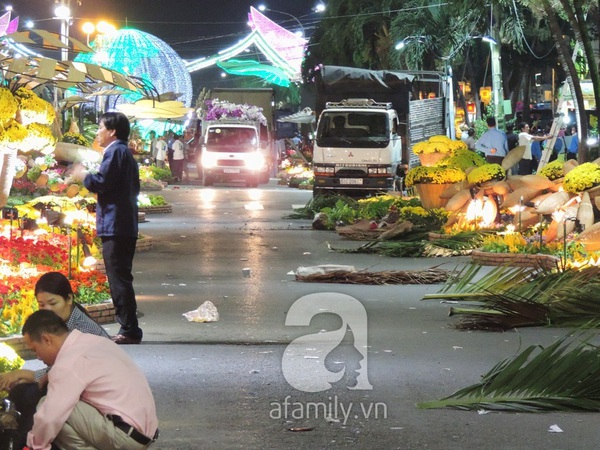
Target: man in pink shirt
97	397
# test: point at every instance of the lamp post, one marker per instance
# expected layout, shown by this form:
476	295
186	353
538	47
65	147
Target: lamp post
63	13
263	8
497	89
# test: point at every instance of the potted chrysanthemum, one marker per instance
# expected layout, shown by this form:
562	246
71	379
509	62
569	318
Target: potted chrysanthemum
430	182
435	149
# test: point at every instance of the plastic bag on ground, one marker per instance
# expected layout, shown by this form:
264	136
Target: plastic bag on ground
323	269
206	312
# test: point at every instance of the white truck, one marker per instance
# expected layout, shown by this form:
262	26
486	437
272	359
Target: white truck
233	147
368	123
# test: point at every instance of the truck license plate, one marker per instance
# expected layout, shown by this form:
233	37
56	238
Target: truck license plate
231	170
351	181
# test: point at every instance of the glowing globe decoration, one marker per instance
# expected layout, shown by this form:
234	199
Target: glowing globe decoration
140	54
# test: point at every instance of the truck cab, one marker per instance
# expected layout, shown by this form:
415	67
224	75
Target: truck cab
357	146
231	151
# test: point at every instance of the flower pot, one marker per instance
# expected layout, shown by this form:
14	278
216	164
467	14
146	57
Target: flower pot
42	180
429	194
431	159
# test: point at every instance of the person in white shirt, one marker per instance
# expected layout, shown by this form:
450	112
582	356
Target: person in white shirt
526	165
161	152
178	158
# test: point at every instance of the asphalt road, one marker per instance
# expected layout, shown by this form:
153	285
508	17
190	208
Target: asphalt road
242	382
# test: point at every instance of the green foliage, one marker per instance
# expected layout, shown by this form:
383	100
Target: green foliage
560	377
340	212
157	200
160	174
34	173
75	138
92	294
317	203
9	360
89	130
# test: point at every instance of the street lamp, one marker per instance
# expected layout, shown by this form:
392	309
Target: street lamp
301	33
102	28
88	28
63	13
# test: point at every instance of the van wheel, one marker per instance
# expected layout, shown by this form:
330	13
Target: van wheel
208	180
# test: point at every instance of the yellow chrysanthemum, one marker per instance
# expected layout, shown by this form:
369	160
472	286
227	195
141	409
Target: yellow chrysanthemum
13	134
8	106
582	177
33	109
434	175
485	173
553	170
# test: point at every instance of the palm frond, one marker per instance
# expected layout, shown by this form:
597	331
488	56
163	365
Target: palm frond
517	297
560	377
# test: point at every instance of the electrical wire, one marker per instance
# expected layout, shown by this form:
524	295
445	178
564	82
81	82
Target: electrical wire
523	35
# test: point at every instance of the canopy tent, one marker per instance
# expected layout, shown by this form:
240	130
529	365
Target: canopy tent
151	109
33	71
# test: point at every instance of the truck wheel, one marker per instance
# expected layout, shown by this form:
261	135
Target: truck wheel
317	191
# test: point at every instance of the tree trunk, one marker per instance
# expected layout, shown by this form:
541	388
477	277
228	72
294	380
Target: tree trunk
572	78
583	35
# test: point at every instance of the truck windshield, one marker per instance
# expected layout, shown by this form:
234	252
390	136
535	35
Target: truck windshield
354	129
223	139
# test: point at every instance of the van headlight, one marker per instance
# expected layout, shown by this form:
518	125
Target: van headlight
255	161
209	160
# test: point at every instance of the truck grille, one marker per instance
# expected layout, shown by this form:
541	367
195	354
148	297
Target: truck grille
351	173
230	162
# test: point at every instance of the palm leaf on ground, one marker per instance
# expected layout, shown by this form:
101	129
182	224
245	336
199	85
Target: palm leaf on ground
517	297
560	377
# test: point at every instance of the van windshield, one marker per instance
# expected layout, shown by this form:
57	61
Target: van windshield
353	129
223	139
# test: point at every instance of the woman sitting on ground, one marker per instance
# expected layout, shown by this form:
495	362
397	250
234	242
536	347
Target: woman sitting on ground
53	291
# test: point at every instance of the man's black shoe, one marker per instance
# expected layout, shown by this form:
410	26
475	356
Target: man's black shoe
121	339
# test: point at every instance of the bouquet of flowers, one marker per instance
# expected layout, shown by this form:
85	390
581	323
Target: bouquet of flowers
220	109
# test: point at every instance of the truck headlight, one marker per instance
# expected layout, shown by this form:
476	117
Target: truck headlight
380	171
255	161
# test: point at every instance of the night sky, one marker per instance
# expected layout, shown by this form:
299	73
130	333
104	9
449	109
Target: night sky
192	28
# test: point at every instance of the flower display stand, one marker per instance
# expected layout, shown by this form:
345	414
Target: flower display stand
163	209
102	313
429	194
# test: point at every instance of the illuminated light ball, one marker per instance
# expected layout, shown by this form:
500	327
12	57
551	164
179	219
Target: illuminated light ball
140	54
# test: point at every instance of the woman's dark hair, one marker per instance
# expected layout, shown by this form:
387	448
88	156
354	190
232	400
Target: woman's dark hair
56	283
117	121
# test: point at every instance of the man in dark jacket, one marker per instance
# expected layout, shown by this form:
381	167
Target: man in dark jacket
117	184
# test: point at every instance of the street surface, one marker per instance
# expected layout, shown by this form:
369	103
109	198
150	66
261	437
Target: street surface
222	385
